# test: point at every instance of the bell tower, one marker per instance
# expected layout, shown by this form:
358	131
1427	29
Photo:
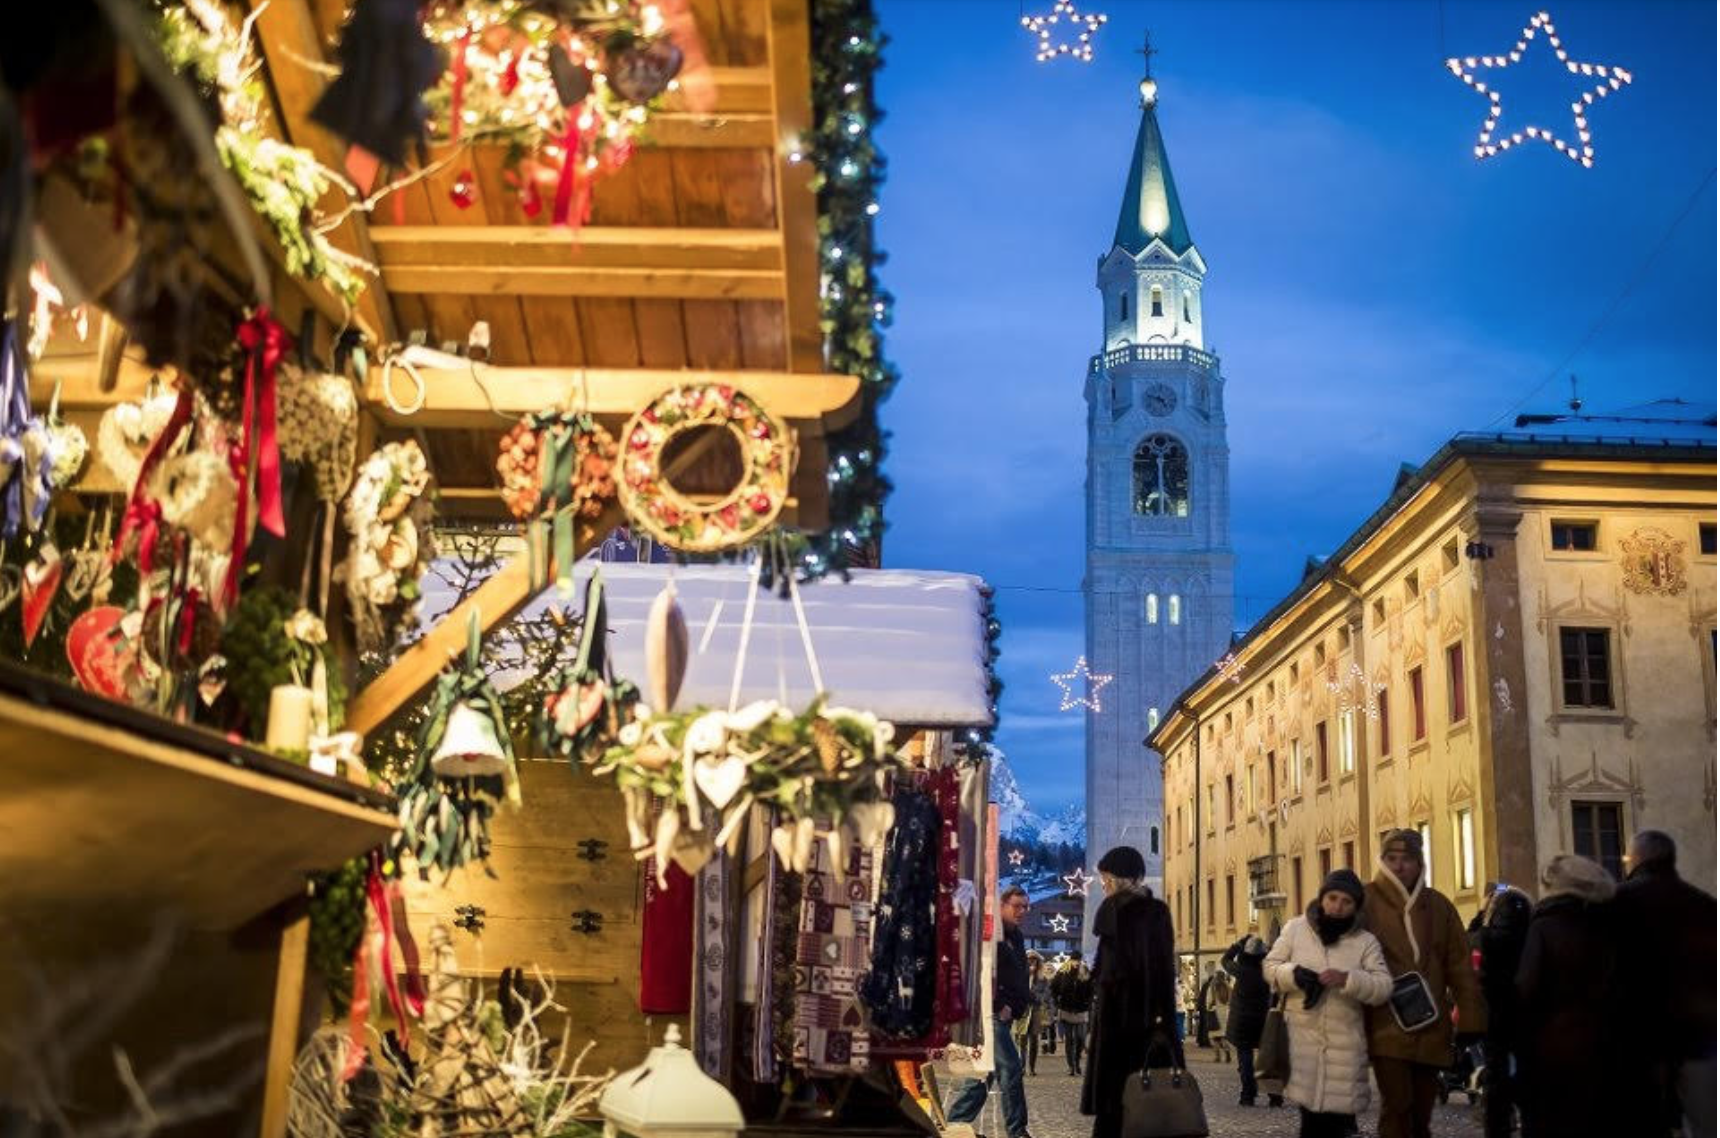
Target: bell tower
1160	571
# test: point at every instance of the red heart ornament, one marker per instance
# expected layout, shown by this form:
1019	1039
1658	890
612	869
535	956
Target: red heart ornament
100	657
41	581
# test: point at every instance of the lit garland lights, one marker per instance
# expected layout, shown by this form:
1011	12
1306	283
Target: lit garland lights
1089	682
847	172
1045	27
1609	78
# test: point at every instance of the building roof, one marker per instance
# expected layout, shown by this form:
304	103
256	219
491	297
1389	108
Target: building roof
1150	206
1669	429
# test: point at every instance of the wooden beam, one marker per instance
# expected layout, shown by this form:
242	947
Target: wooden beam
797	205
583	280
474	396
285	1022
593	246
711	130
738	90
288	34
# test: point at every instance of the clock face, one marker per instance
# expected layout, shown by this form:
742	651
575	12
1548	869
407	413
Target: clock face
1161	400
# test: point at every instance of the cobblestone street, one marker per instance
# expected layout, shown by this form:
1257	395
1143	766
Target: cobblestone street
1054	1101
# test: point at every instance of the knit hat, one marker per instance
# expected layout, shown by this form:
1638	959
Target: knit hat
1343	881
1403	841
1578	877
1125	862
1254	946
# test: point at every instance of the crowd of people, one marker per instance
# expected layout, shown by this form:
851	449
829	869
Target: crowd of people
1588	1012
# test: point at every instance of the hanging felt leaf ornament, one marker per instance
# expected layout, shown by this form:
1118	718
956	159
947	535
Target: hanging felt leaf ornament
666	647
41	581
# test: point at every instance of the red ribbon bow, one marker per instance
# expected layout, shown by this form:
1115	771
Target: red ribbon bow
143	514
265	343
389	921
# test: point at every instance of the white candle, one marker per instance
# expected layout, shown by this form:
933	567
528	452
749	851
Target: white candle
289	718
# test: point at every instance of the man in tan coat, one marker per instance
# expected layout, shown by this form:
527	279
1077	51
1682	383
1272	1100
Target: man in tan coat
1420	931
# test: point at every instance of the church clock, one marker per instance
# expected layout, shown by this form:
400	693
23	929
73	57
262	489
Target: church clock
1161	400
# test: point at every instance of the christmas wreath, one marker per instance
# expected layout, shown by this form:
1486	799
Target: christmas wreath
388	515
750	507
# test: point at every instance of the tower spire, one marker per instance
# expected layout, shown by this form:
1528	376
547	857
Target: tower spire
1150	206
1149	88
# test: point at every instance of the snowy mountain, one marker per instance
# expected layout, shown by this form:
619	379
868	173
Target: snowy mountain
1020	823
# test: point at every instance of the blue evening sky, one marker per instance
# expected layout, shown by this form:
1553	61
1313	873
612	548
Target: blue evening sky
1372	288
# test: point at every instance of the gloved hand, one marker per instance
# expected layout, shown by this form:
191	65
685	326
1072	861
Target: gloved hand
1309	981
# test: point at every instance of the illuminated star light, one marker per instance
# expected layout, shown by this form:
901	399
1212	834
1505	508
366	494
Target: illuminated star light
1079	882
1060	959
1060	923
1091	682
1346	691
1230	668
1016	857
1044	26
1609	79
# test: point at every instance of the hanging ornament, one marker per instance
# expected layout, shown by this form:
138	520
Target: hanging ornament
102	657
742	514
665	649
1083	27
26	461
1606	80
556	467
1087	681
392	542
1230	668
641	69
41	581
319	427
589	706
572	77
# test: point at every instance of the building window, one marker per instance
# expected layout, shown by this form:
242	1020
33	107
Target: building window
1271	777
1230	900
1152	608
1412	586
1295	674
1191	905
1325	864
1186	316
1153	840
1173	607
1211	905
1161	477
1180	925
1296	766
1211	809
1158	301
1152	718
1382	701
1319	655
1597	833
1705	538
1322	759
1347	742
1448	554
1574	537
1123	306
1463	849
1229	800
1349	855
1379	612
1296	883
1425	829
1586	667
1417	706
1457	697
1253	788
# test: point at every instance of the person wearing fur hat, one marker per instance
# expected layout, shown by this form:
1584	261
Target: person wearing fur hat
1134	987
1576	1077
1332	970
1419	930
1250	1000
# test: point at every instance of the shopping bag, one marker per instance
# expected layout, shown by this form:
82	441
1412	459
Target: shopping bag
1273	1061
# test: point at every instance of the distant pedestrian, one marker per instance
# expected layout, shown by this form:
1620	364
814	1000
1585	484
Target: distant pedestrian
1574	1018
1011	1001
1250	1000
1072	993
1420	932
1134	987
1205	1017
1221	994
1668	929
1039	984
1499	931
1329	968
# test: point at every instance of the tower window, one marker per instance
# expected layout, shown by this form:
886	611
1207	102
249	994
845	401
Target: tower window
1158	301
1123	306
1186	317
1161	477
1152	608
1175	607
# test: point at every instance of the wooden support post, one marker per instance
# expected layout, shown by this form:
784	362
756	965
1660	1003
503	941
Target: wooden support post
285	1021
797	205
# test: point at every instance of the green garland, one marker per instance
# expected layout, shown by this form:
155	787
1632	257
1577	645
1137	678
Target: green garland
974	740
847	50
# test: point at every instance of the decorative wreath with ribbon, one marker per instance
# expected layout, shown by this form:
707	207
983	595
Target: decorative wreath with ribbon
747	511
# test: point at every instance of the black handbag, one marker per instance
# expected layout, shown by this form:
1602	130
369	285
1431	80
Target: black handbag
1274	1059
1412	1002
1163	1102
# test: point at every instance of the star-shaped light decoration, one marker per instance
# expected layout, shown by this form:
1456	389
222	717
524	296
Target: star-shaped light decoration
1355	693
1079	882
1060	959
1045	26
1230	668
1090	683
1016	858
1607	80
1060	923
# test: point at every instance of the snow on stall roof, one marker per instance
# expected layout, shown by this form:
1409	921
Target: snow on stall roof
909	646
1663	421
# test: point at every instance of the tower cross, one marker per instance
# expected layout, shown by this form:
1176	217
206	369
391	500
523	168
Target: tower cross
1146	51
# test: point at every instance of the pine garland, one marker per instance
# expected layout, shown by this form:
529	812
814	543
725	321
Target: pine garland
847	50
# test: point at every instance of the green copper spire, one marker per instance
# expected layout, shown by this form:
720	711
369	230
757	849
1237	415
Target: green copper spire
1150	205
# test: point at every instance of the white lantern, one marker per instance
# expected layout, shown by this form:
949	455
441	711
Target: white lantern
668	1096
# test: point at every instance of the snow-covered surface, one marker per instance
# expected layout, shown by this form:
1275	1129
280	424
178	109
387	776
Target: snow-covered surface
1666	421
907	646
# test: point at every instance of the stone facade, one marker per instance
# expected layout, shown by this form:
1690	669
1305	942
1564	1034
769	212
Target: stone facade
1515	655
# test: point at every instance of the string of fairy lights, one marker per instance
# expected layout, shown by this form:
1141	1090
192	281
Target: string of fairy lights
1064	16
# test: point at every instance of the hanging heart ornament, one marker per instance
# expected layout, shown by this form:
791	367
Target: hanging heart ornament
720	781
41	581
101	658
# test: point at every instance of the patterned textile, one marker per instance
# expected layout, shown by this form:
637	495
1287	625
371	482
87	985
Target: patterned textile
900	987
830	1031
952	1003
784	948
713	994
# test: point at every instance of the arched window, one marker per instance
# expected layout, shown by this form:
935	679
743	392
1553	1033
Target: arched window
1161	477
1158	301
1152	608
1153	839
1175	607
1186	316
1123	306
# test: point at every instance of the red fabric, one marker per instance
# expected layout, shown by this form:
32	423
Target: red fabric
265	343
951	1006
666	956
143	515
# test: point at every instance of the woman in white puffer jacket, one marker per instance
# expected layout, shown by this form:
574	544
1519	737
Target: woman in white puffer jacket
1329	967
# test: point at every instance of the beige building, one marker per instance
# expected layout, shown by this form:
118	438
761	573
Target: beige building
1515	655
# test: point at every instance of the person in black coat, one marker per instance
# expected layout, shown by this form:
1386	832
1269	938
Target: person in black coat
1574	1039
1134	986
1250	999
1669	965
1498	934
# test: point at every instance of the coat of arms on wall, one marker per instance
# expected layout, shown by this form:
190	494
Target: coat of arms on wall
1653	562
